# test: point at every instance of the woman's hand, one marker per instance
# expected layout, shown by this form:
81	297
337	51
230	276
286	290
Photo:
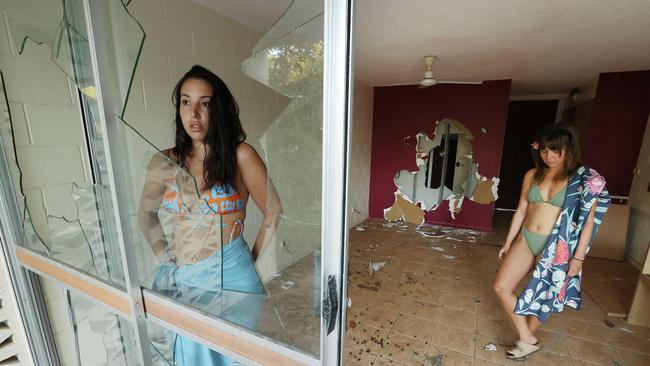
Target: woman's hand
503	251
167	257
575	266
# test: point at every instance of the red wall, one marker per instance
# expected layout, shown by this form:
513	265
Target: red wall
406	110
618	122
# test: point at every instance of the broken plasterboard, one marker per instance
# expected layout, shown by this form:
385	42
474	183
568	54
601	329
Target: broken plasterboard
486	190
404	209
424	189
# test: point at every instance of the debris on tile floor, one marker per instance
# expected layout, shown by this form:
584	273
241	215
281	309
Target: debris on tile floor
430	231
447	256
437	360
374	267
490	347
424	299
287	285
359	228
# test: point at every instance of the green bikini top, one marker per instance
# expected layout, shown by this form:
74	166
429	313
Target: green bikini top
535	196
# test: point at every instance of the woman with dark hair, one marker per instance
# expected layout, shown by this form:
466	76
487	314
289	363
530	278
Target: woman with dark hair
202	186
560	209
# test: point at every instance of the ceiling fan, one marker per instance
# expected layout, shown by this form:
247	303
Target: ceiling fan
429	80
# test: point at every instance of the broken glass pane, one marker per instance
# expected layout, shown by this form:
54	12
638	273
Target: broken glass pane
61	25
86	332
185	249
65	203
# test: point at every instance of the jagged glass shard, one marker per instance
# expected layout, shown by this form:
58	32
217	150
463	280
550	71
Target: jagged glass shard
61	25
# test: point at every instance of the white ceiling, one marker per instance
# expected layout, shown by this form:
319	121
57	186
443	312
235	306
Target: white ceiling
545	46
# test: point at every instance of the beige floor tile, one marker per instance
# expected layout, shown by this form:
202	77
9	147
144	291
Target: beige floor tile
453	358
542	358
629	341
388	300
437	356
457	318
358	357
499	356
582	363
630	358
427	294
479	362
580	329
498	328
592	352
587	314
492	310
454	339
460	302
412	327
379	317
382	361
551	324
404	349
552	342
421	294
365	337
488	297
420	309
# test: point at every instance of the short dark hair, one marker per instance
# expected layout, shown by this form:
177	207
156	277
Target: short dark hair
558	137
224	133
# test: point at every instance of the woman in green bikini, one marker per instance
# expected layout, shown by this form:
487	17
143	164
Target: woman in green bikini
556	154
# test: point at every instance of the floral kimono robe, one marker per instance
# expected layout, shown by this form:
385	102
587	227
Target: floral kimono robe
549	289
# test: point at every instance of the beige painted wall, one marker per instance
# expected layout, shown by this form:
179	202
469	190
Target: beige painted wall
638	235
360	149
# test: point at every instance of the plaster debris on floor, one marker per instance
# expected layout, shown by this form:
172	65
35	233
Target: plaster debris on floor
424	309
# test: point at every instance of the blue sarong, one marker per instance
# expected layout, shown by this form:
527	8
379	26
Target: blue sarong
225	284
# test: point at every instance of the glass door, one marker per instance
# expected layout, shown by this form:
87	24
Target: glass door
133	258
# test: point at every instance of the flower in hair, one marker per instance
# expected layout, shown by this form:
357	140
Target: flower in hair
535	145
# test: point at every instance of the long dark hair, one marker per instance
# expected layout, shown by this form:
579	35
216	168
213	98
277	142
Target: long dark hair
224	130
557	137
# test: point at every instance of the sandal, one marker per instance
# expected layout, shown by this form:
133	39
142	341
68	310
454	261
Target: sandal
522	350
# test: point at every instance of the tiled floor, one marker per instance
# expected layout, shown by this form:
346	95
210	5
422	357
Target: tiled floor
427	309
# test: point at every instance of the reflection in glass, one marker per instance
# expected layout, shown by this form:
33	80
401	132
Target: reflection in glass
61	25
88	333
289	59
66	210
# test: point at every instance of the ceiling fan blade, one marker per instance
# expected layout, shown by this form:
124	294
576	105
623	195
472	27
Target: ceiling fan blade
402	84
459	82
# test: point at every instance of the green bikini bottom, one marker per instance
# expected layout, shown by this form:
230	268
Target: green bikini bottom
536	242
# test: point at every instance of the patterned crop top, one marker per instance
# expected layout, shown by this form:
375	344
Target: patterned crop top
220	200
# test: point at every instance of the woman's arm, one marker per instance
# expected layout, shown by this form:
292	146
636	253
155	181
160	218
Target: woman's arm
255	178
520	213
575	266
150	200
